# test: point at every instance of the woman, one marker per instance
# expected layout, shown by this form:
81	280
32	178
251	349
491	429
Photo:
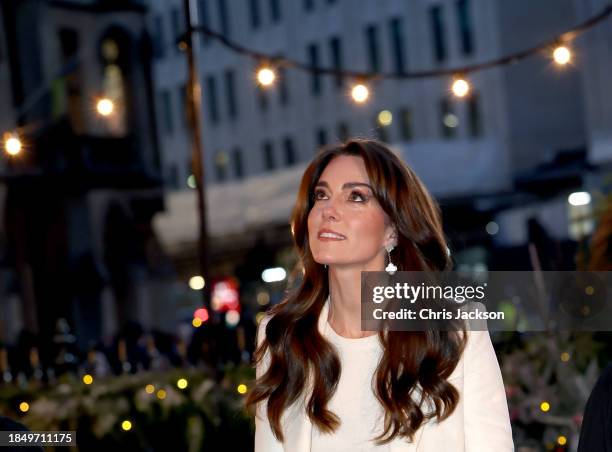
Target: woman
325	385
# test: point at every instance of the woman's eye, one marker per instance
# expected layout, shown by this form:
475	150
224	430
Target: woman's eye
355	195
319	194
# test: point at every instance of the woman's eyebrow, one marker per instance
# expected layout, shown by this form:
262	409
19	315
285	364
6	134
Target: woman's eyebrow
346	185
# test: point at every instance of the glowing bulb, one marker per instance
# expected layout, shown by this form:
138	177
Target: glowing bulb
273	274
360	93
385	118
191	181
562	55
242	388
201	313
182	383
545	406
561	440
12	144
149	389
565	357
579	198
105	106
460	87
24	407
196	282
161	394
126	425
232	318
196	322
87	379
266	76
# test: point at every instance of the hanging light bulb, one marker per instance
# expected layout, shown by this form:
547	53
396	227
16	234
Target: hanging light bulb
562	55
105	106
460	87
360	93
266	76
12	144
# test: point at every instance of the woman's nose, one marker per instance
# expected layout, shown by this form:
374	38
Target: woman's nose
330	212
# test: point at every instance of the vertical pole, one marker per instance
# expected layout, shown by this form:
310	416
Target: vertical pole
194	100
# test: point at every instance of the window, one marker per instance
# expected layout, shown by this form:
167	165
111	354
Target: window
335	48
372	45
172	176
230	94
204	19
465	27
221	166
262	98
255	16
321	137
308	5
210	94
159	45
474	116
437	28
222	6
275	10
177	27
397	44
182	100
313	59
283	86
343	131
268	156
448	118
405	122
238	167
166	106
381	131
289	148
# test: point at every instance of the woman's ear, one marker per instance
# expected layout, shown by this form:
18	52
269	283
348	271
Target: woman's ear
392	237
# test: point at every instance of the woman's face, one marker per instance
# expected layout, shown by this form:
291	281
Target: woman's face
344	204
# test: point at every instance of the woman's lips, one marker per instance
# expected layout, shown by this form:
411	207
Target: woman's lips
326	234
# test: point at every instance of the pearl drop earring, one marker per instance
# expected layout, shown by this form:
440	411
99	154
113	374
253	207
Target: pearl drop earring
391	268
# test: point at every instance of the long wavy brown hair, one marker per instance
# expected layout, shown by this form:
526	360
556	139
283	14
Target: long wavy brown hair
297	351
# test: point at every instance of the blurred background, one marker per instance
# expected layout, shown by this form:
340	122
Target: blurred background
124	316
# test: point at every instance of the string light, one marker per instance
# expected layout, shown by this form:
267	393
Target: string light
265	76
562	55
460	87
196	322
182	383
126	425
545	406
24	407
149	389
385	118
360	93
561	440
12	144
242	388
565	357
87	379
161	394
105	106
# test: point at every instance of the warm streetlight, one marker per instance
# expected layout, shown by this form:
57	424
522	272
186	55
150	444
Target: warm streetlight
265	76
461	87
12	144
105	106
562	55
360	93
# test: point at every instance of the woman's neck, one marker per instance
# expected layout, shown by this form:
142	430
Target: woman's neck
345	303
